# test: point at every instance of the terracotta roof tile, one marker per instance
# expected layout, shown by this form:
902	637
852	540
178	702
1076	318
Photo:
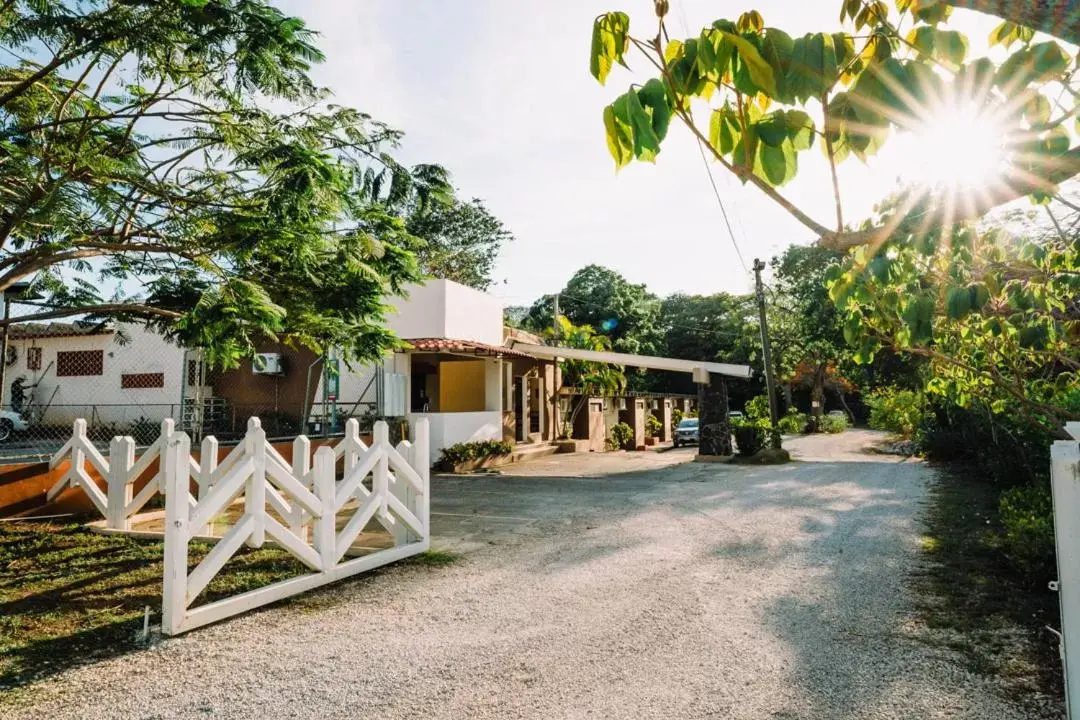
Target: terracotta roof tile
464	346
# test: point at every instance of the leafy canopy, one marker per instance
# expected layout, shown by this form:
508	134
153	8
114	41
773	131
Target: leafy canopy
179	152
758	98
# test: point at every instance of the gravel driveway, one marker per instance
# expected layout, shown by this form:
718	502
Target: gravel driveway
671	591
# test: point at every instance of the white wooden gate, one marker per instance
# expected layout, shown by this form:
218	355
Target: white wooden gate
1065	478
295	505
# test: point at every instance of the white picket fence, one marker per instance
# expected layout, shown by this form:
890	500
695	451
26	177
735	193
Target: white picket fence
1065	479
295	504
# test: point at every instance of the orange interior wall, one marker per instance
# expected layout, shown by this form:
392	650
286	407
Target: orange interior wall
23	487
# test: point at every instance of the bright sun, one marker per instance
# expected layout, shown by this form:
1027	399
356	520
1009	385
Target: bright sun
956	148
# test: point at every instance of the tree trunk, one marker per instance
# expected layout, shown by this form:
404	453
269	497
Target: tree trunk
714	431
817	398
581	401
843	401
1060	19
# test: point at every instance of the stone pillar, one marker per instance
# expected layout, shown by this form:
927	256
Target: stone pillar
665	419
713	413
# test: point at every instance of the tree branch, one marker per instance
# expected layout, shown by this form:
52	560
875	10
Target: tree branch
105	308
1060	19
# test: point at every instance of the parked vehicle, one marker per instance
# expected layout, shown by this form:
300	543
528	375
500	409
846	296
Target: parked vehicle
735	415
11	423
837	413
686	432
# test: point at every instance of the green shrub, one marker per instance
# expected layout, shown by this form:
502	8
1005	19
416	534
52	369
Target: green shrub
758	408
1027	515
794	422
622	436
676	418
653	426
833	424
898	411
749	437
463	452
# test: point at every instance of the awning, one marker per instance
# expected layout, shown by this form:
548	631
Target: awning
548	352
465	347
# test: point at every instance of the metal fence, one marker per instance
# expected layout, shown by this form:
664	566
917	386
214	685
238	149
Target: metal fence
125	379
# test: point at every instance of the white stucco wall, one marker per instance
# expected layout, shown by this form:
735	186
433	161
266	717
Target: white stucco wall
99	397
444	309
447	429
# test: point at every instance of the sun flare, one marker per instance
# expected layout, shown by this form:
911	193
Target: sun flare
956	147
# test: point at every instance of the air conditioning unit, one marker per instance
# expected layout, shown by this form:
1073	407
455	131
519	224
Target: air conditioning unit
267	364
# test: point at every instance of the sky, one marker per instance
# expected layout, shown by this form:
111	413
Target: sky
500	93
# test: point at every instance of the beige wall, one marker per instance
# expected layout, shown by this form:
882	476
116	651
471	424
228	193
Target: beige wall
462	386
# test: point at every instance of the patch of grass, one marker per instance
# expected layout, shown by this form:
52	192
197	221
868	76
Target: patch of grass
974	601
434	558
68	595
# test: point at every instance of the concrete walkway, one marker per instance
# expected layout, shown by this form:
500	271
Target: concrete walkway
673	590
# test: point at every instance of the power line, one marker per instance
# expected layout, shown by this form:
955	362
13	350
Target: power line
708	168
723	210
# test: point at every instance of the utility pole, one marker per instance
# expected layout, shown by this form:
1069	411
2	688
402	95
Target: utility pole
766	354
555	319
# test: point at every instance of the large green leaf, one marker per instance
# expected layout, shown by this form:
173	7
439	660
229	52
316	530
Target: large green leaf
776	165
773	129
759	69
653	95
725	129
619	137
800	128
646	143
957	302
918	316
609	39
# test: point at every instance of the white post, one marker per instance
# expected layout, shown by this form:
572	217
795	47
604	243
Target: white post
175	472
422	464
78	451
404	493
208	462
352	444
326	490
121	458
255	493
1065	480
167	430
380	476
301	467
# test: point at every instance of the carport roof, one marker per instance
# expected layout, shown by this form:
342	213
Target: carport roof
548	352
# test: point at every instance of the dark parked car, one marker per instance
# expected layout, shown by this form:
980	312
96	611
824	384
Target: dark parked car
686	432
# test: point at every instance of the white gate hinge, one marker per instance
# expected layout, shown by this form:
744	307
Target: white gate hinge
1053	585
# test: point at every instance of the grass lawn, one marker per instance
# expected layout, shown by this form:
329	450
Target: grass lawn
972	598
68	595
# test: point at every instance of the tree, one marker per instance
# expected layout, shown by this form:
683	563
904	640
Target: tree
586	377
461	241
811	341
996	313
719	327
602	298
138	151
764	90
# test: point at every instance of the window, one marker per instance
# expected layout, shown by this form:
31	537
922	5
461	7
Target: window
72	363
33	358
135	381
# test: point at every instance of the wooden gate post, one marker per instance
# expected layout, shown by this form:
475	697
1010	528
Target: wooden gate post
326	490
121	459
421	460
1065	479
175	471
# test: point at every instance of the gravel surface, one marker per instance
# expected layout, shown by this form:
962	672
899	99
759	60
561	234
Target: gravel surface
685	591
